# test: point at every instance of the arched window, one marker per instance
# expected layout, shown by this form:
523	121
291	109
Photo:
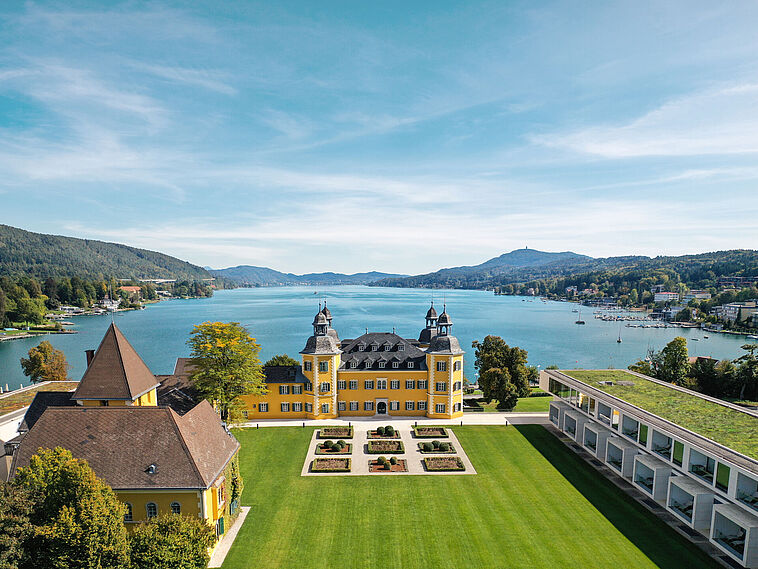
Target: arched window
176	508
128	514
152	510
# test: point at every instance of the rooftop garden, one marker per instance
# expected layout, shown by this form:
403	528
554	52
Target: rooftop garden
729	427
15	400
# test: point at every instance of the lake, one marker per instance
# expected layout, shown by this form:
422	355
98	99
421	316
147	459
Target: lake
280	319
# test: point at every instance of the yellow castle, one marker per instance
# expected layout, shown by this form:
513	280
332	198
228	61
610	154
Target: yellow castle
378	374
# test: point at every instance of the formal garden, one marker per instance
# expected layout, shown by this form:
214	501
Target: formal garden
387	432
531	498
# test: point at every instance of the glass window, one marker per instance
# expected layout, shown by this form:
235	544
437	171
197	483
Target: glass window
176	508
409	405
395	384
643	435
368	405
341	405
263	407
440	386
457	366
361	347
284	390
325	408
381	384
400	348
353	364
368	384
325	387
722	477
421	405
457	386
285	407
309	407
297	407
411	365
128	514
152	510
395	365
297	389
457	407
307	366
323	366
353	384
422	384
394	405
387	347
615	420
440	407
341	384
353	405
678	453
441	366
410	384
382	364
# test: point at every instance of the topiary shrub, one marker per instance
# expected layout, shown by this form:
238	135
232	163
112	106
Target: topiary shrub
381	460
393	460
342	443
389	430
388	465
380	431
436	444
328	444
428	447
444	447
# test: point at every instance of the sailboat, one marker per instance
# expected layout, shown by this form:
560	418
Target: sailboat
619	339
580	321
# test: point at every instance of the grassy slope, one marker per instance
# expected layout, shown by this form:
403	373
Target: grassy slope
519	511
737	430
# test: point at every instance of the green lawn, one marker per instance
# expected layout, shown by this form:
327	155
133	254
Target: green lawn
14	401
525	405
533	504
731	428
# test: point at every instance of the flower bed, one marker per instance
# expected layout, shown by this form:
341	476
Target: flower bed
376	466
321	449
430	432
387	432
386	446
330	465
335	433
442	463
444	448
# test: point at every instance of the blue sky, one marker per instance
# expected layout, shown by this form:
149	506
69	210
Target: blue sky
394	136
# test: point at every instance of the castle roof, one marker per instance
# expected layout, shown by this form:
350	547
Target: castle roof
370	349
284	374
116	371
121	443
326	345
431	313
444	319
447	345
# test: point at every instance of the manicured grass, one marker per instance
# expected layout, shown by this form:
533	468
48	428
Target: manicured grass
532	504
524	405
14	401
731	428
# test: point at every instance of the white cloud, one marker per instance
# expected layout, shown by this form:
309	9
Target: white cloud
717	121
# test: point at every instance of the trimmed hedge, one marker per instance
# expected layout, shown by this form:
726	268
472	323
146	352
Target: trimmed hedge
379	447
321	451
428	448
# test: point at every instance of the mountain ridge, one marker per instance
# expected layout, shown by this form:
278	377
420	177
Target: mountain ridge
250	275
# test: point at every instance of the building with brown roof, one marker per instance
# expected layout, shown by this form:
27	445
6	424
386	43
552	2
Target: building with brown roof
155	459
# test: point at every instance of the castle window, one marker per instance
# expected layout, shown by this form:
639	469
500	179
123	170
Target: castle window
297	389
284	390
323	366
367	364
353	364
422	384
263	407
341	405
353	405
387	347
368	384
353	384
410	384
394	405
457	386
395	365
325	408
128	515
309	407
297	407
440	386
410	365
440	407
457	407
409	405
381	384
361	347
382	364
457	366
309	386
401	347
152	510
307	366
374	347
176	508
285	407
325	387
368	405
395	384
341	384
421	406
441	366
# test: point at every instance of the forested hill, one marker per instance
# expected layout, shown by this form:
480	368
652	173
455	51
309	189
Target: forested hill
41	256
247	275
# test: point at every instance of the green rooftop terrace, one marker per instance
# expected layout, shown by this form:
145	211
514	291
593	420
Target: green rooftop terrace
15	400
729	427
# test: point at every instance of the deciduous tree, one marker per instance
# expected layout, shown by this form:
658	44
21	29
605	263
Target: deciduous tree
281	360
15	528
225	364
493	352
676	366
45	363
171	541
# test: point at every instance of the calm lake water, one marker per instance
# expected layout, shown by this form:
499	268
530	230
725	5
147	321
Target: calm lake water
280	319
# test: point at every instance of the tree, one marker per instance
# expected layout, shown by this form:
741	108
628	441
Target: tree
493	352
171	541
281	360
225	364
747	372
45	363
495	384
77	519
676	366
15	529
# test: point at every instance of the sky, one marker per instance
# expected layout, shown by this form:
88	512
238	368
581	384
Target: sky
392	136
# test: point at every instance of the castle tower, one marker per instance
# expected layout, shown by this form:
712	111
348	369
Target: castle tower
444	359
430	331
321	359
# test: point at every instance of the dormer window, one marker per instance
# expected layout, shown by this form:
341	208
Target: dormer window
387	347
382	364
401	347
374	347
410	365
367	363
396	364
353	364
361	347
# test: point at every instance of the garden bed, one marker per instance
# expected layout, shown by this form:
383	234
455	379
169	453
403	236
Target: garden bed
443	448
376	466
335	449
385	446
430	432
335	433
330	465
387	432
443	463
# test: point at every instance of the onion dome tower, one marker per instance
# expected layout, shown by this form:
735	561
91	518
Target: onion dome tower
430	331
443	342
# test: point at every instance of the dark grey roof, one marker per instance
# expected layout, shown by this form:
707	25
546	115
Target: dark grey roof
426	335
320	319
321	345
325	311
431	313
284	374
42	401
445	345
368	359
444	319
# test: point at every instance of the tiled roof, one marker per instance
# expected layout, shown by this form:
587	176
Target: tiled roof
42	401
367	358
326	345
120	443
284	374
447	345
116	371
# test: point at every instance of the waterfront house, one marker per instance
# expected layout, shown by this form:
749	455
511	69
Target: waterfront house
695	455
666	297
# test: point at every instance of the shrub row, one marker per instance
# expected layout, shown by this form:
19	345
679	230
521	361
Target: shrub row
436	446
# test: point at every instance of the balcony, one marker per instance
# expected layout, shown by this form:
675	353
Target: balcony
747	491
619	455
652	475
733	531
595	438
702	466
573	424
661	445
691	501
